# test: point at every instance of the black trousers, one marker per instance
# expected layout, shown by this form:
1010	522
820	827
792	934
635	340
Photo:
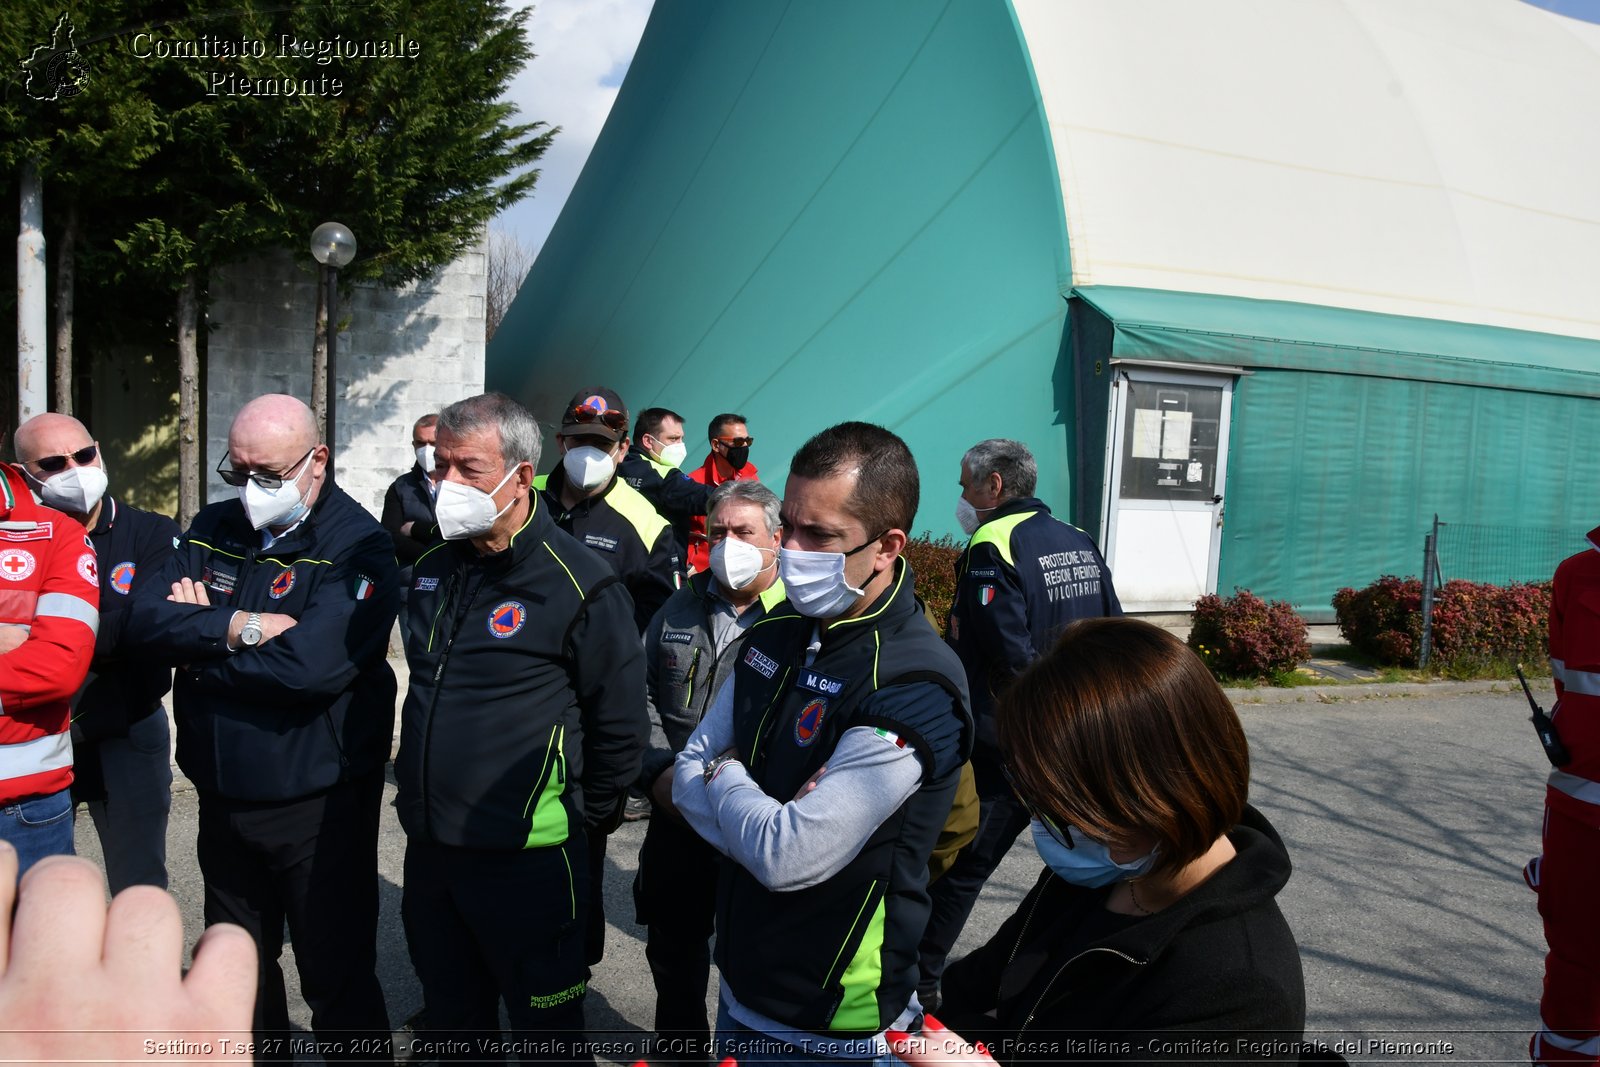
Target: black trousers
313	863
675	899
491	926
1001	817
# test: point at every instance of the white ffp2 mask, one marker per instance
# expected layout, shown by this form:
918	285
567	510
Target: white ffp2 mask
588	467
736	563
466	511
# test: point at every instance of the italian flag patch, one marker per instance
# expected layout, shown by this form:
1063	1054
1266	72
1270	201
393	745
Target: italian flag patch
364	589
891	736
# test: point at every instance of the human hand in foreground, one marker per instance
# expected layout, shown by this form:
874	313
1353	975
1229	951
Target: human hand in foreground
80	982
937	1047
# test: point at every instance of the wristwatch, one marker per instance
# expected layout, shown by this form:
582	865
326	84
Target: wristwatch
716	764
250	636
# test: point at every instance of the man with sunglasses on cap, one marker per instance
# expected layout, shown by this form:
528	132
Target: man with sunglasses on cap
121	743
589	501
728	461
49	613
276	607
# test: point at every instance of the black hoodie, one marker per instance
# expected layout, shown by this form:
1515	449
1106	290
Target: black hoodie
1216	975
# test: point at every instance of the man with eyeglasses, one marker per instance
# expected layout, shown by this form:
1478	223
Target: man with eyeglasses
49	613
276	607
728	460
121	743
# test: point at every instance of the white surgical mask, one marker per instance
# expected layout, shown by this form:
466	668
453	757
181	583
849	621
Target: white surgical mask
588	467
1087	863
736	563
283	506
425	458
969	516
815	581
75	490
465	510
673	455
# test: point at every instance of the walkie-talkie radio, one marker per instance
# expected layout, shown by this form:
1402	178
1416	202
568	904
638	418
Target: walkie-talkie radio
1545	727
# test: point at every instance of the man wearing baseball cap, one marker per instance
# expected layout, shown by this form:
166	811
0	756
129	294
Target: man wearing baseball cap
610	517
591	503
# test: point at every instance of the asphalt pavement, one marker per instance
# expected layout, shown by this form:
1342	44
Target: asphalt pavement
1408	811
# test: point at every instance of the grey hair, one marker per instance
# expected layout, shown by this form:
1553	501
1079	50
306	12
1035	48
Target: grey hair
749	493
1019	474
515	425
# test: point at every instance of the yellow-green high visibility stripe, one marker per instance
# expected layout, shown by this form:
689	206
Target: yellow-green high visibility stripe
661	466
549	823
628	502
998	534
773	596
858	1010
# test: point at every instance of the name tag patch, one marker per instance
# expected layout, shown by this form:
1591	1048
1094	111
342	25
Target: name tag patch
762	664
220	580
427	585
817	682
681	637
986	572
600	541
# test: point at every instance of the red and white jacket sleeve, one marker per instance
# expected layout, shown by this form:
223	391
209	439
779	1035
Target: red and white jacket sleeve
51	585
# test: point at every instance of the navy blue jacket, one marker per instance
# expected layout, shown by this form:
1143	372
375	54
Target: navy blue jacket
409	500
675	496
307	709
1023	577
130	547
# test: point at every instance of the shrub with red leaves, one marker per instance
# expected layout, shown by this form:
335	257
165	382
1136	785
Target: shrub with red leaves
1244	636
933	561
1477	627
1384	620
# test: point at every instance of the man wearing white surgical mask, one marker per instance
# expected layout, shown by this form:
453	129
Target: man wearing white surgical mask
521	731
276	606
691	647
120	738
408	503
829	764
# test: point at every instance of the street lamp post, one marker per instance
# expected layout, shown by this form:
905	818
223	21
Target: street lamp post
333	246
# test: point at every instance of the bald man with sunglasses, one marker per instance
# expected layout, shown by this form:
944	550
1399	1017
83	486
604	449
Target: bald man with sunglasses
121	743
276	607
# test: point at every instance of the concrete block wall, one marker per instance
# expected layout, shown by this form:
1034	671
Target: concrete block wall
404	352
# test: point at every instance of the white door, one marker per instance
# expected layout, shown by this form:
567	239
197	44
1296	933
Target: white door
1168	460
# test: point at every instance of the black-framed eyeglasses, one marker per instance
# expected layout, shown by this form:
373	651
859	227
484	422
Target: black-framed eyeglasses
55	464
1062	834
610	418
265	479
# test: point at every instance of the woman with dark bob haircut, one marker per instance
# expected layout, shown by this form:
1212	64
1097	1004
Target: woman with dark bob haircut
1152	932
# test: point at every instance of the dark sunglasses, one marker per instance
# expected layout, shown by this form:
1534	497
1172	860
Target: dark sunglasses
1062	834
737	442
265	479
610	418
55	464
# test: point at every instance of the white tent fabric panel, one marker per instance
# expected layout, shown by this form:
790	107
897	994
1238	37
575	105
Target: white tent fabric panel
1435	158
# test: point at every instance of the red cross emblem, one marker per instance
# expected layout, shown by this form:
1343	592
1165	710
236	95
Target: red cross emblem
16	564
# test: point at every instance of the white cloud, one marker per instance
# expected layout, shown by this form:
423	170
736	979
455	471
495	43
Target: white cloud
582	48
